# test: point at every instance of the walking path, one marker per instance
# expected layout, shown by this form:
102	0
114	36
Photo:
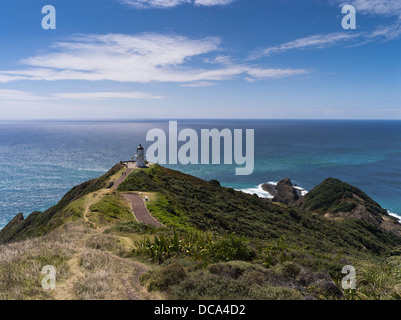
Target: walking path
122	178
138	206
129	273
140	211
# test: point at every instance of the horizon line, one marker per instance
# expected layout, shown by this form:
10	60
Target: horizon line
187	119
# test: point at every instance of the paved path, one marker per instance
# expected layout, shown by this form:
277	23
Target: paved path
138	206
122	178
139	209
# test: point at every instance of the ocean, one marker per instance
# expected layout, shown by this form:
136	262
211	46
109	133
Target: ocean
41	160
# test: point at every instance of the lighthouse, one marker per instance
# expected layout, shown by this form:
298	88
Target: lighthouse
140	157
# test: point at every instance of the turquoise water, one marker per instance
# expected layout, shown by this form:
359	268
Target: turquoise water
41	161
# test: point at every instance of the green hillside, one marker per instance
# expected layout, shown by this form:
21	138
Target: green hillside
332	195
207	206
40	223
216	243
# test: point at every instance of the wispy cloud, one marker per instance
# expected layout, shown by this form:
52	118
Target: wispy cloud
105	95
167	4
322	41
140	58
199	84
391	31
318	41
375	7
257	74
19	95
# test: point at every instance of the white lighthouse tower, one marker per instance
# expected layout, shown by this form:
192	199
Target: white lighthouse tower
140	157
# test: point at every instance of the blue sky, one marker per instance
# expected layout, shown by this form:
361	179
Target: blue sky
200	59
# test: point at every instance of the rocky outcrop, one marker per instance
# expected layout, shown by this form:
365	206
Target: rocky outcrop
13	224
15	221
283	192
270	188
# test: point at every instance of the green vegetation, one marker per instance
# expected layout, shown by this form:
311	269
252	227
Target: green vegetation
379	282
110	209
216	243
187	202
21	265
199	246
287	243
132	228
333	195
38	223
163	210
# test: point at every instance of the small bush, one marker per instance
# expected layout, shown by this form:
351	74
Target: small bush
204	286
233	269
214	183
164	277
231	248
289	269
201	286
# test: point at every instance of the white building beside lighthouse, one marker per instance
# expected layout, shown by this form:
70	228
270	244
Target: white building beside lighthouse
140	157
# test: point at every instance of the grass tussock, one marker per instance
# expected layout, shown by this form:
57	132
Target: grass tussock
380	281
101	279
21	265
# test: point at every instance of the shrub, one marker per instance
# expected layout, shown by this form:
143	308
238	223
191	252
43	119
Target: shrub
233	269
231	248
269	292
290	269
132	227
214	183
199	246
201	286
164	277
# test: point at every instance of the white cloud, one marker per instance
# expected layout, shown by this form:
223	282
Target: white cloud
140	58
375	7
257	73
213	2
18	95
385	8
104	95
199	84
315	41
167	4
386	32
321	41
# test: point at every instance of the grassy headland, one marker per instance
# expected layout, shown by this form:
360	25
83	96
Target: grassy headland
216	243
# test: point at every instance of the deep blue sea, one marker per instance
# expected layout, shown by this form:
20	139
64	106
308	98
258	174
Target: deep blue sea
41	161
